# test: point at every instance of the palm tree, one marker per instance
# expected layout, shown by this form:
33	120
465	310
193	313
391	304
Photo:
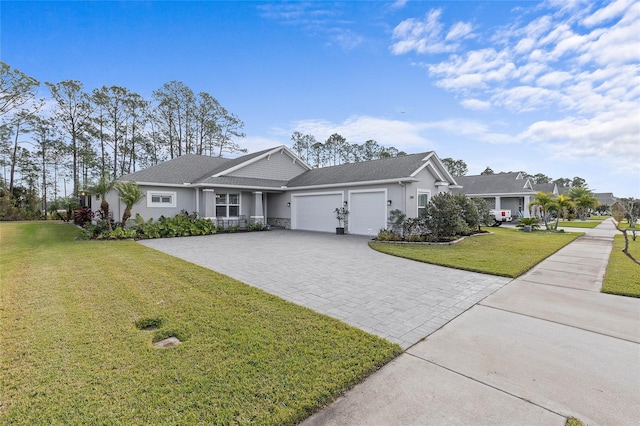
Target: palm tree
130	194
583	199
547	204
562	203
104	185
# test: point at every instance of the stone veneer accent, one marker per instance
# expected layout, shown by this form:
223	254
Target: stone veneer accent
281	222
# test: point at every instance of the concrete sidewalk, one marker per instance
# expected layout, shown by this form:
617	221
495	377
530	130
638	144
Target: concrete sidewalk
545	347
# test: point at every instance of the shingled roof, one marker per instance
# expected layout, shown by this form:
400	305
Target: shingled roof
184	169
204	171
401	167
499	183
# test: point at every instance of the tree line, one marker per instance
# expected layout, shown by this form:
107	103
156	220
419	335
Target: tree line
113	131
336	150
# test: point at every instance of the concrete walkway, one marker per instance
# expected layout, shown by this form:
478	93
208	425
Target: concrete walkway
543	348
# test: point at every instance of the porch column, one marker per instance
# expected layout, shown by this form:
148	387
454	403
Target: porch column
258	211
209	202
527	201
198	201
498	206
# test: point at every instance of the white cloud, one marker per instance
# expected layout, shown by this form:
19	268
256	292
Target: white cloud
548	63
476	104
425	36
459	30
403	135
408	136
346	39
317	19
611	139
554	78
399	4
611	11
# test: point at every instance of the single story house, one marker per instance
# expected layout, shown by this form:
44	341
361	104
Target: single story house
276	187
503	191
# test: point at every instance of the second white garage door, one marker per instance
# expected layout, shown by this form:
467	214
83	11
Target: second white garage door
367	212
314	212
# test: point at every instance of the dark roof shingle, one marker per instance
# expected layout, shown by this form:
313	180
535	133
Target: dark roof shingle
386	168
184	169
499	183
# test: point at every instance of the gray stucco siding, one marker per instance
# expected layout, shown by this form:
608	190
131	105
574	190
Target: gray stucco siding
184	200
277	205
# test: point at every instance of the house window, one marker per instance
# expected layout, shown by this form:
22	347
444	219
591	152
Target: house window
161	199
423	200
227	205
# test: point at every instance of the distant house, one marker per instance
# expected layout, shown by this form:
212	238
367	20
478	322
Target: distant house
274	186
510	191
606	198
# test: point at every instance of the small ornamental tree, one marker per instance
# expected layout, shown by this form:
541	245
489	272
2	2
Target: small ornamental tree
469	212
626	208
484	212
444	217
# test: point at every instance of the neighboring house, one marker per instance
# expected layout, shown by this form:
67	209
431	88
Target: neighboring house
510	191
274	186
606	198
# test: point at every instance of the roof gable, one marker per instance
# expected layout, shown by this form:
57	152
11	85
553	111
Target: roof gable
235	166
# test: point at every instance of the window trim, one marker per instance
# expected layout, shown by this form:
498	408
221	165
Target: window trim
227	204
152	204
418	194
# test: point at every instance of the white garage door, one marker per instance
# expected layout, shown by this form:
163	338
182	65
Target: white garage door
367	212
314	212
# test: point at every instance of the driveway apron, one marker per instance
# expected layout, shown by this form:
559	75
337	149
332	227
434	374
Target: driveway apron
546	347
340	276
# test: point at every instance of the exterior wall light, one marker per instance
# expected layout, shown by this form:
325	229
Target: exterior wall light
388	202
288	204
345	203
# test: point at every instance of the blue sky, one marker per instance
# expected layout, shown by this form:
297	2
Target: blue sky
547	87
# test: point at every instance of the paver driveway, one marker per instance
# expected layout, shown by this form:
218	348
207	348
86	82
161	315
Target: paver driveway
340	276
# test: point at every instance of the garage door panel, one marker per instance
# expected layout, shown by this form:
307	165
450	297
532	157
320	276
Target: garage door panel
367	212
315	212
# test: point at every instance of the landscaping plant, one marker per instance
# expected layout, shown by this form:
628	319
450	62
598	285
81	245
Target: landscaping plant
130	194
104	185
627	208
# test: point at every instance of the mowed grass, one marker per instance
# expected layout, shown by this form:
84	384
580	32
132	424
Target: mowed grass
70	352
577	223
623	275
506	252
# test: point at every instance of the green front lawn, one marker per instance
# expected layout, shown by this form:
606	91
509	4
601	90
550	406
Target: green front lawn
505	252
577	223
623	275
71	352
